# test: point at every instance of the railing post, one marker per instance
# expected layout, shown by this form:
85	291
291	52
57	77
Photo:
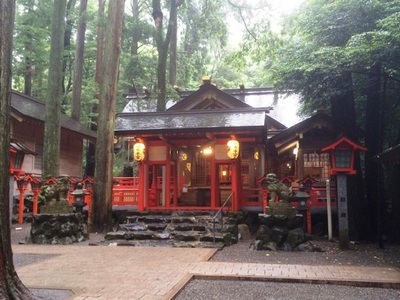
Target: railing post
214	230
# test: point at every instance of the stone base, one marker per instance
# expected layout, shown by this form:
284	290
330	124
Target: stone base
58	229
281	208
56	207
282	231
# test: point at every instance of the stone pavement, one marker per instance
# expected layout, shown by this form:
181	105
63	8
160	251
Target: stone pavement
110	272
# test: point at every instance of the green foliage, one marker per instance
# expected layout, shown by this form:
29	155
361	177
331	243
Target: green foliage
203	38
31	44
325	39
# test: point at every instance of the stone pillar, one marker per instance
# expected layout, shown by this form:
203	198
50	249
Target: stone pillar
344	240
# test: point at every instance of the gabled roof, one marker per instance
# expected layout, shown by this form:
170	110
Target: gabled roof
207	109
20	147
208	96
286	138
190	121
25	107
389	156
344	142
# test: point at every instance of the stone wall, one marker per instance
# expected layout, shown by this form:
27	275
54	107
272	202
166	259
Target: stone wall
281	232
55	229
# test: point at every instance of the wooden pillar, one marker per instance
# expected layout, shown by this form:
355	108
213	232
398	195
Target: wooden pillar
35	202
142	186
21	206
176	185
168	182
300	164
235	185
214	182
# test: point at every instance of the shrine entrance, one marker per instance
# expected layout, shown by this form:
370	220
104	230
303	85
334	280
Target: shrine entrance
223	184
161	189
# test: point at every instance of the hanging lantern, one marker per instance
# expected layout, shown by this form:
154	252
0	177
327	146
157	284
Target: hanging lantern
139	150
233	148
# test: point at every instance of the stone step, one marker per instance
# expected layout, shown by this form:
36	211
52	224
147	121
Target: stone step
165	243
137	235
177	236
187	227
176	228
142	227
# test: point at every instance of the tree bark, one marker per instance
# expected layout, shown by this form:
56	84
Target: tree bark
11	286
373	141
162	47
28	60
173	54
67	63
103	176
136	32
90	155
51	148
79	60
343	112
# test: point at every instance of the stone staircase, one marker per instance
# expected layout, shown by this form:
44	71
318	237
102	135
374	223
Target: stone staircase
193	229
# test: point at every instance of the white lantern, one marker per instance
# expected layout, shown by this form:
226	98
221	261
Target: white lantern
233	148
139	150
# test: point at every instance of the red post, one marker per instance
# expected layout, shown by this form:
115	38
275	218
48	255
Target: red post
168	183
309	229
35	202
235	186
142	186
21	206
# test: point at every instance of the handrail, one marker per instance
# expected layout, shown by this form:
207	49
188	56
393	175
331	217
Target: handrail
219	212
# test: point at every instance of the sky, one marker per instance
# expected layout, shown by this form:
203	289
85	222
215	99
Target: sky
286	5
281	8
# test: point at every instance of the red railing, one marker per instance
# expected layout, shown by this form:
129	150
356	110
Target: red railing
259	197
126	192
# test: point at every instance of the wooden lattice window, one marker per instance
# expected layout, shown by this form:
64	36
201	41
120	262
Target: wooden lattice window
316	165
202	171
245	154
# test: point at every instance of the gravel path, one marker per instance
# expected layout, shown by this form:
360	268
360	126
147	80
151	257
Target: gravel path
250	290
330	254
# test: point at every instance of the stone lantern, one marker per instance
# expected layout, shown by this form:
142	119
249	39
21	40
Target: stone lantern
342	154
79	198
303	207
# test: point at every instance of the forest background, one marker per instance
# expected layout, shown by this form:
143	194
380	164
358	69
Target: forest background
81	56
340	55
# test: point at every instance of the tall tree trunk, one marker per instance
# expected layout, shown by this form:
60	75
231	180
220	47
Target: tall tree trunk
173	55
90	154
67	64
343	112
28	60
28	73
136	32
162	47
103	176
11	286
79	60
373	141
100	40
393	184
52	132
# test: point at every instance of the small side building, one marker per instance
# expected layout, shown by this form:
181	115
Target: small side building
27	130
